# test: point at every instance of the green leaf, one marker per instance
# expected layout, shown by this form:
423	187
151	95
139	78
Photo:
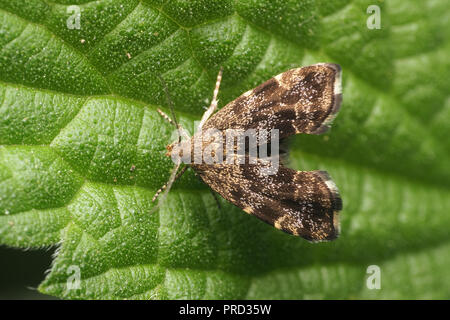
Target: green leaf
82	146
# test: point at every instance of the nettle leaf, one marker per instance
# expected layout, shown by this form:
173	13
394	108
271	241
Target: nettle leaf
82	147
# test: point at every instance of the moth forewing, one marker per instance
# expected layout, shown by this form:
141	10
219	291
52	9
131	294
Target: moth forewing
302	100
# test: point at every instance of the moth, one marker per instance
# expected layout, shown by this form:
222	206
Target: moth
301	100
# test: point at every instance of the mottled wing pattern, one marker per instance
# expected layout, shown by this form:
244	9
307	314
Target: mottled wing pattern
302	100
304	203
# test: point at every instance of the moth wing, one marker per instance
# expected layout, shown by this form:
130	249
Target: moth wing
302	100
304	203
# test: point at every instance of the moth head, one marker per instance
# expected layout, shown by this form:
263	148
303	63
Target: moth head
169	149
176	149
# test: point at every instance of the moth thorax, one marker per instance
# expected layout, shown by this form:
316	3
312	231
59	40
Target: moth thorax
200	149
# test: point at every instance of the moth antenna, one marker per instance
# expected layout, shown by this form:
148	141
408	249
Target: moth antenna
214	101
170	103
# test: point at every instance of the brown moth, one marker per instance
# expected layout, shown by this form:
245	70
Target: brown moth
302	100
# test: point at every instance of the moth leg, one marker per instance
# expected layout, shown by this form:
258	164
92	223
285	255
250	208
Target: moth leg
213	105
183	132
169	183
166	187
166	117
